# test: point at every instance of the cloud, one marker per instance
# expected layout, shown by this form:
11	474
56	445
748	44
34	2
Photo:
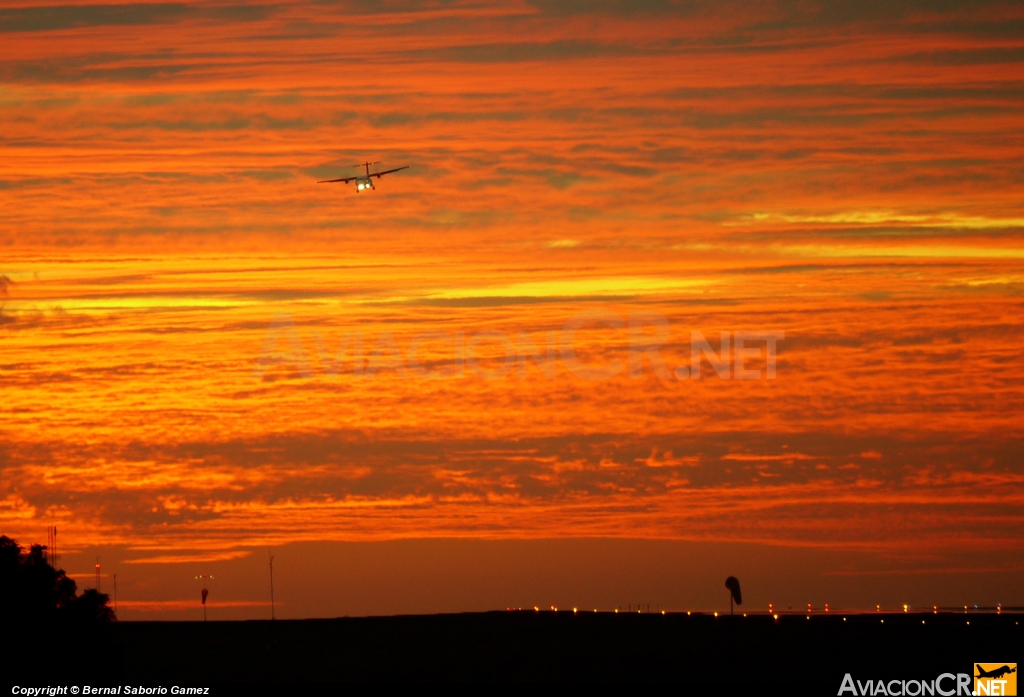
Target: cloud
847	175
202	557
59	17
887	218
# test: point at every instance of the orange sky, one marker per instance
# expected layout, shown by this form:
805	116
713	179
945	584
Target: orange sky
850	177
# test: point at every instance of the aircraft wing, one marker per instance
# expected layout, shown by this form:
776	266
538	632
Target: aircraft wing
387	171
345	180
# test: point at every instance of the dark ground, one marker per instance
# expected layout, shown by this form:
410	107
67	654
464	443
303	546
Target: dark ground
808	656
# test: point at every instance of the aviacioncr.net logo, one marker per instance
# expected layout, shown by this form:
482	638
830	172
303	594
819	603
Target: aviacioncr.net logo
945	685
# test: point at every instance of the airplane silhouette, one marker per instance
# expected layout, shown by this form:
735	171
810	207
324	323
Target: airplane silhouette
995	673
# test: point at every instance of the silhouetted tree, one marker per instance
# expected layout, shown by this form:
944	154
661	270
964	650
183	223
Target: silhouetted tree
33	591
41	606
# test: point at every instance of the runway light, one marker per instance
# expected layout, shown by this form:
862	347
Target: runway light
574	611
905	607
922	621
616	611
663	612
688	613
716	614
536	609
744	614
844	619
776	617
883	621
935	609
808	617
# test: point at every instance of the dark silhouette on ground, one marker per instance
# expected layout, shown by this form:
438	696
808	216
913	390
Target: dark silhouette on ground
704	651
59	632
58	636
733	584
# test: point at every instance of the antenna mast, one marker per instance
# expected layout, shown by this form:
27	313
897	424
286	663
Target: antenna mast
271	585
51	545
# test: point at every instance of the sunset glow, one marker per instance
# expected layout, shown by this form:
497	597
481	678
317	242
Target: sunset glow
850	181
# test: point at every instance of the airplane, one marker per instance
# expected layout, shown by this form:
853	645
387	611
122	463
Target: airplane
364	181
994	673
